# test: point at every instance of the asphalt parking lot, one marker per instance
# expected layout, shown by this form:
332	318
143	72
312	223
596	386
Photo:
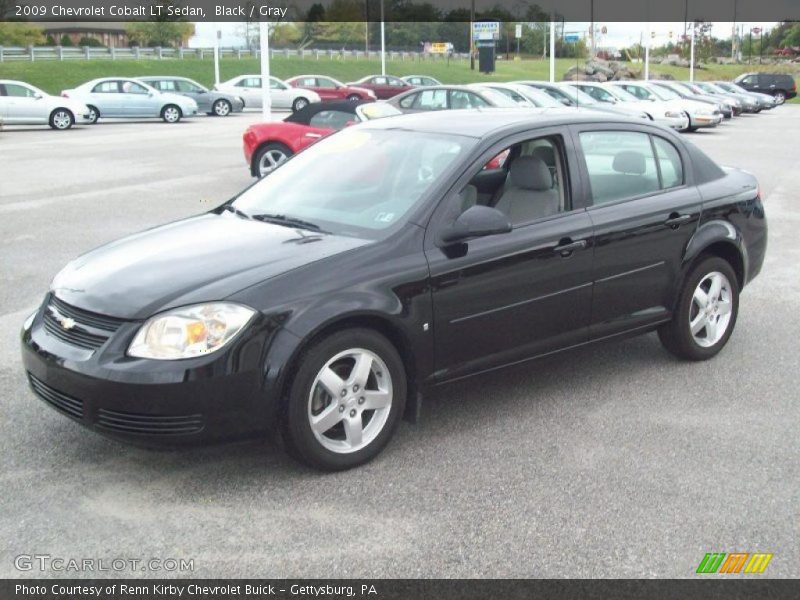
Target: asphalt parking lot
612	461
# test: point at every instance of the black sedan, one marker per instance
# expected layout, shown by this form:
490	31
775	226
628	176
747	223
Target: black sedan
389	258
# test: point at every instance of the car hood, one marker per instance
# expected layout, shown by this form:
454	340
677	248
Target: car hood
199	259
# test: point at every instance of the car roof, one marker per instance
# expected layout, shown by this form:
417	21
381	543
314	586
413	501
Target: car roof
304	115
482	122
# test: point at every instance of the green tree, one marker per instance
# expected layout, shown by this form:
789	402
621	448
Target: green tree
20	34
66	41
159	33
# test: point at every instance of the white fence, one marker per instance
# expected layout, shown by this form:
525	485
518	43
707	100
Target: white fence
34	53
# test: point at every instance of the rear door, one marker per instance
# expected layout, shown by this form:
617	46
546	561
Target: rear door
503	298
645	210
107	98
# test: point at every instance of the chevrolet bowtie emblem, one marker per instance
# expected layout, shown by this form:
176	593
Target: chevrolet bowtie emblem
65	322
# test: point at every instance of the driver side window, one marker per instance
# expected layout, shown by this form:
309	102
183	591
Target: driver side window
524	181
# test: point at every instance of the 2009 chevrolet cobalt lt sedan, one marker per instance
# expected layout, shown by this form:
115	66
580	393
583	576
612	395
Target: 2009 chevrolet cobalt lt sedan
389	258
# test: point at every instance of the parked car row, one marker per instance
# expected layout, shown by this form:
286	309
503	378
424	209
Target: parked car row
680	105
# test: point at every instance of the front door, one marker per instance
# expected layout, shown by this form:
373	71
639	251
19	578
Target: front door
644	213
506	297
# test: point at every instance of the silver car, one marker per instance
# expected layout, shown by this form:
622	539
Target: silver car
765	101
282	95
119	97
24	104
450	97
420	80
211	102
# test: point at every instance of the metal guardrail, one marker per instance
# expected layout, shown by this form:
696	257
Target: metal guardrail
34	53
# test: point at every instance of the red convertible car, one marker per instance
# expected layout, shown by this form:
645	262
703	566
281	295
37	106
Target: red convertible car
267	145
384	86
329	89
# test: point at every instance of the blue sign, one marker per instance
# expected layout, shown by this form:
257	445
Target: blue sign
572	37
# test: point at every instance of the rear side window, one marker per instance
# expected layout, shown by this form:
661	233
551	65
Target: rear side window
331	119
621	165
165	85
431	100
408	101
669	163
106	87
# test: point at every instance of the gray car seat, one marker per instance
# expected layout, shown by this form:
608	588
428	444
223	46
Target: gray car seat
528	193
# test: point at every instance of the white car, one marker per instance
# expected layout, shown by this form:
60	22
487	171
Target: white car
701	114
282	95
524	95
24	104
122	98
663	113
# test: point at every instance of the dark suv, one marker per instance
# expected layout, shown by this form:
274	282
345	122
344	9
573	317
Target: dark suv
783	87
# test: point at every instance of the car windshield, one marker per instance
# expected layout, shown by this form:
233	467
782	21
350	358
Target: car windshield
359	182
662	92
577	95
621	94
498	99
539	98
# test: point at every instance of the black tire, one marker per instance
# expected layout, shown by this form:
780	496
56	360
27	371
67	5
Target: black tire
300	440
167	112
780	96
94	114
61	119
221	108
271	147
354	97
300	103
676	335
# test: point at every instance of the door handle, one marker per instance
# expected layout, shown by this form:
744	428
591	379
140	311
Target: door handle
314	135
675	220
566	248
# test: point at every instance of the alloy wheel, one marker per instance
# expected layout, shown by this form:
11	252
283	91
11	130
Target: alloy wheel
172	114
62	120
710	309
350	401
780	97
270	161
300	104
222	108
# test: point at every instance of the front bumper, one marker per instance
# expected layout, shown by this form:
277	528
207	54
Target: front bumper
215	397
705	120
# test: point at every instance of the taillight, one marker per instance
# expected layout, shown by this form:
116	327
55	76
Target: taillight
794	87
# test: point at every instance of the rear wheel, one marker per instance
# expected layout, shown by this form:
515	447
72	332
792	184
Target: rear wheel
299	104
354	97
94	114
61	119
171	113
221	108
345	401
706	311
269	157
780	96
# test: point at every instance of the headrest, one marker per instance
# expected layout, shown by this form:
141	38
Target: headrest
629	162
530	173
546	153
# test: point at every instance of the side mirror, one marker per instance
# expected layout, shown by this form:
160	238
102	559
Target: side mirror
37	96
476	221
566	102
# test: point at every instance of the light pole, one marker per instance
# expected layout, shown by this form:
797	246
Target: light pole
383	43
266	101
217	36
552	49
471	41
691	57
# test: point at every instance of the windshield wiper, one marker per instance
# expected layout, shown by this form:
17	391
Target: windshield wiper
236	211
288	222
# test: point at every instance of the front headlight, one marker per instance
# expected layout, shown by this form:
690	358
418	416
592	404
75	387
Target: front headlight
189	331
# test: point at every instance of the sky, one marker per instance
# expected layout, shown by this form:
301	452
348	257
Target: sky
620	35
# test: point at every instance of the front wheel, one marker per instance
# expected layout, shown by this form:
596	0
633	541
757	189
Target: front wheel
171	114
345	401
61	119
706	311
221	108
